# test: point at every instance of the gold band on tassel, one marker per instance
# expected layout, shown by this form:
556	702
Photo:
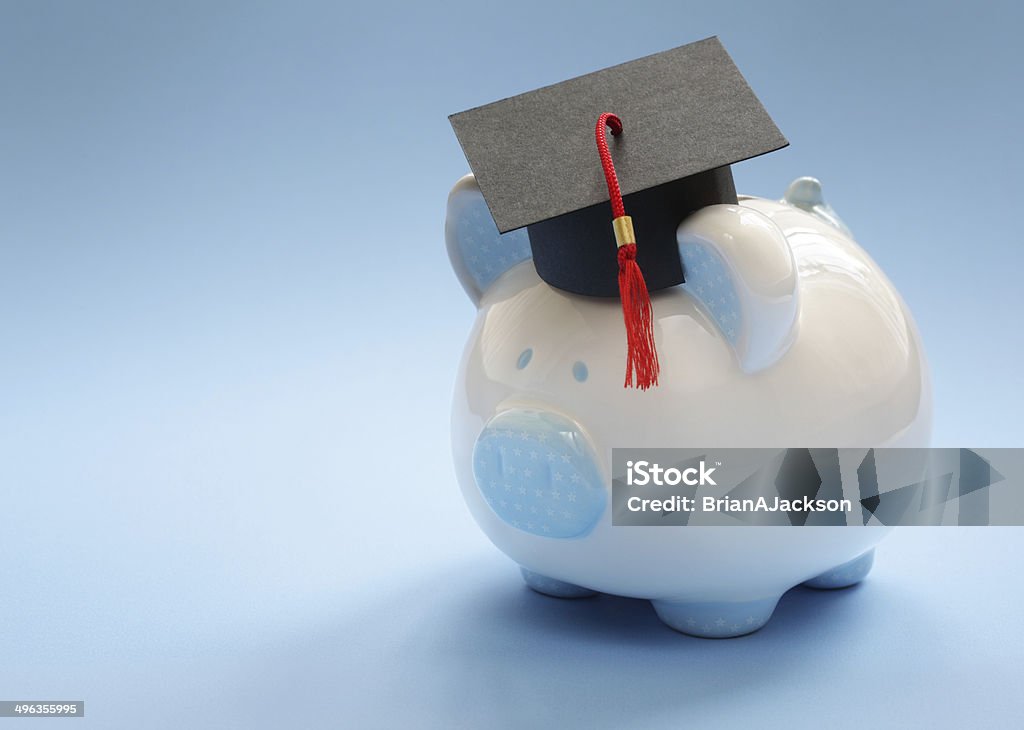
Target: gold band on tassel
623	226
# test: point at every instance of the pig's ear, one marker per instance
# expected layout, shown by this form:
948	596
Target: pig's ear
805	193
479	254
739	266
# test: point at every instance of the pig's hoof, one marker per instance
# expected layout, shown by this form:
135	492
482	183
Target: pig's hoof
717	619
552	587
845	575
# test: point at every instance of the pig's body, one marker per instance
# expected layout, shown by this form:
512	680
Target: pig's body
785	334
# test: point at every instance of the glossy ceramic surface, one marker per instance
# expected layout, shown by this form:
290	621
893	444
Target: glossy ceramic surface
785	334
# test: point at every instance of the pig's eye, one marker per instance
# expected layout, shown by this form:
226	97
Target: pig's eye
524	358
579	371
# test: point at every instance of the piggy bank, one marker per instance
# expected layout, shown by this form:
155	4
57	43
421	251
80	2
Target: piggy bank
785	333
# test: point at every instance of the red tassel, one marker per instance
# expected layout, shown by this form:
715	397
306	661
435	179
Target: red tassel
641	355
637	313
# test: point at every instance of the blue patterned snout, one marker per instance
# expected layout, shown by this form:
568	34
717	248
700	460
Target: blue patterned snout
538	473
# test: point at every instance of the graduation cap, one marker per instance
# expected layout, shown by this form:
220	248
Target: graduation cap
678	118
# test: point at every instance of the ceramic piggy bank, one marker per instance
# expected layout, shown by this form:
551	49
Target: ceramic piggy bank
785	333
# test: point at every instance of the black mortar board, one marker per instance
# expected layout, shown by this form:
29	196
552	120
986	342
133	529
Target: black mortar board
687	114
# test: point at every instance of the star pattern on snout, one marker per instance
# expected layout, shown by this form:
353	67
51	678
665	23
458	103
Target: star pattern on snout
541	458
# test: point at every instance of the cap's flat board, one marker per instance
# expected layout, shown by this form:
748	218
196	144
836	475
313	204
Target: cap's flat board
683	111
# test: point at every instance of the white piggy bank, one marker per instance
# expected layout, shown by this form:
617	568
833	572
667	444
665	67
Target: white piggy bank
785	334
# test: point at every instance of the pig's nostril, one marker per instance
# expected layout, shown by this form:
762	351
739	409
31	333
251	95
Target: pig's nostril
579	371
524	358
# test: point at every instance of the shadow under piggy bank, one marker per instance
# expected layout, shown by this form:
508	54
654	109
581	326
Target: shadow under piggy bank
471	646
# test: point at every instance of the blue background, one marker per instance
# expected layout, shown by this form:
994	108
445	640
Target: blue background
228	335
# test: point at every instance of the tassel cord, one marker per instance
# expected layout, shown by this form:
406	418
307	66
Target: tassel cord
642	366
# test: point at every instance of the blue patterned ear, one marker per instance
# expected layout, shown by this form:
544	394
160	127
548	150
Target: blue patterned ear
709	281
740	268
479	254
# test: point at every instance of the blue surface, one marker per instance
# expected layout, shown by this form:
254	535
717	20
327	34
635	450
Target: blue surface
229	329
